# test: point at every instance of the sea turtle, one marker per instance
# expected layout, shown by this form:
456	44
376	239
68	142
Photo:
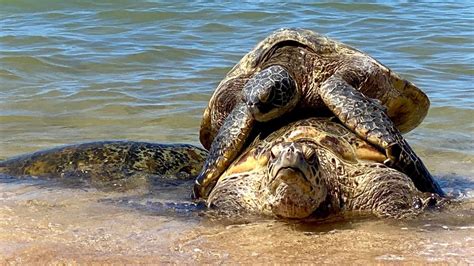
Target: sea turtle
299	73
318	166
312	166
125	164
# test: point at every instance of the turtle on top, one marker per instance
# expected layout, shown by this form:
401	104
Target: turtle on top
294	72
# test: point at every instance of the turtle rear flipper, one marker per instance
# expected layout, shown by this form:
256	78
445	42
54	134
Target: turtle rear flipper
390	193
369	120
409	163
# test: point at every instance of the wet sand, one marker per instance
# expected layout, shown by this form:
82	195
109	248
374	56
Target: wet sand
41	222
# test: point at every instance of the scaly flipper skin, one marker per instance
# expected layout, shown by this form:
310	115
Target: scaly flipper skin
369	120
225	147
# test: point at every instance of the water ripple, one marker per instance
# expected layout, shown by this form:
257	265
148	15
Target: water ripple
147	68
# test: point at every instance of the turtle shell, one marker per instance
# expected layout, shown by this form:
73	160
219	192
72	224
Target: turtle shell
406	104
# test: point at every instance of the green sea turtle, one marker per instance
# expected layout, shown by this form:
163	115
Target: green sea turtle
297	73
120	163
316	166
312	166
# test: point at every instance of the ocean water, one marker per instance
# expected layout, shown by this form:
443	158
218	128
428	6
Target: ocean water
76	71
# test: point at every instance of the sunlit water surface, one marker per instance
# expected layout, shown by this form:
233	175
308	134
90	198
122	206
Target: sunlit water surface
77	71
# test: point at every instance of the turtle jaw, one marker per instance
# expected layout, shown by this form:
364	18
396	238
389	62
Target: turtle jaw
292	177
290	195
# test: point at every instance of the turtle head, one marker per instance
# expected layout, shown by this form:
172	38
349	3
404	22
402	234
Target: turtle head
270	93
293	184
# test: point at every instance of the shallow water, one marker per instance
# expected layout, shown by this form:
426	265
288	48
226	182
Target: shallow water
143	70
50	222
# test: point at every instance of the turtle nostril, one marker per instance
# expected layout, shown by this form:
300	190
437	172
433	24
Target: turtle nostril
272	155
259	107
252	106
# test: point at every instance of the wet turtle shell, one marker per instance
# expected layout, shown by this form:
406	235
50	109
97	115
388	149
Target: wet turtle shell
311	58
109	164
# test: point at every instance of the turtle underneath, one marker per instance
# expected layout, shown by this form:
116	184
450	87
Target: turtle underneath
310	167
316	166
297	72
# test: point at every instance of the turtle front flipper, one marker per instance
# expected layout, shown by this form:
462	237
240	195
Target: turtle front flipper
267	95
368	118
225	147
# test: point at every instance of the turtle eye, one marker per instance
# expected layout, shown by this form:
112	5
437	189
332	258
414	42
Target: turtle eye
265	93
310	155
275	151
